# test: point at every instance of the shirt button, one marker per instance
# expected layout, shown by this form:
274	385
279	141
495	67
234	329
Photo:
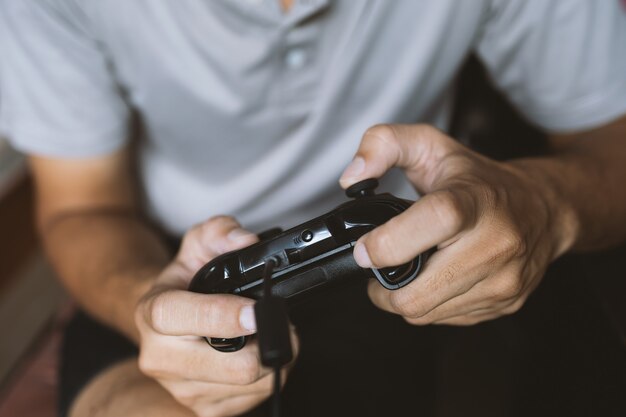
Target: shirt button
295	58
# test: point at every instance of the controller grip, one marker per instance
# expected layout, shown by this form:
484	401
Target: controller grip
336	270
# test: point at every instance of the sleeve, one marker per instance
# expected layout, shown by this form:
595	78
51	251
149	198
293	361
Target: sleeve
562	63
57	93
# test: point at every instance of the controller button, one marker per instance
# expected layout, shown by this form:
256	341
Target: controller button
362	188
396	274
307	236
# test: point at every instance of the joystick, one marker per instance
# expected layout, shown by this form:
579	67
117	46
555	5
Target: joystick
362	188
312	257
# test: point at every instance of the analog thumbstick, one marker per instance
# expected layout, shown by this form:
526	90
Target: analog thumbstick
362	188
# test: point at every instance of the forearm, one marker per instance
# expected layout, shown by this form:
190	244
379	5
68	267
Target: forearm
107	260
583	182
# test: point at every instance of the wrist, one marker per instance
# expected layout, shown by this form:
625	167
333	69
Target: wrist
545	178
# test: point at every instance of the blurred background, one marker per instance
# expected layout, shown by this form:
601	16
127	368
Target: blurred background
31	301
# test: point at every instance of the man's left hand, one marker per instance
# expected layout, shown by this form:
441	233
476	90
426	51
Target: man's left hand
496	228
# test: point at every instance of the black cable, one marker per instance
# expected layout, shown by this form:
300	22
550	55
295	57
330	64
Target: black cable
276	393
270	264
273	331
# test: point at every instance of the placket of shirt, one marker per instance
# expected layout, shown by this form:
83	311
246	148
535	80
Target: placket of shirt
296	61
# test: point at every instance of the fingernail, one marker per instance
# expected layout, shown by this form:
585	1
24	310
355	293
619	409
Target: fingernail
356	168
247	319
238	234
361	256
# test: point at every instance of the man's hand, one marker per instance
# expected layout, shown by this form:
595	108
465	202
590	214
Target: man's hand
495	227
172	322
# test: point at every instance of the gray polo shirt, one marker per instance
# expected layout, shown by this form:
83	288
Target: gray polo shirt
253	112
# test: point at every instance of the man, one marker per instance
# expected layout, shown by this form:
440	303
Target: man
249	113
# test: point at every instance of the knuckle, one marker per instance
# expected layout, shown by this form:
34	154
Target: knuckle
218	219
192	232
215	223
210	226
487	194
189	240
403	302
449	210
512	244
427	130
444	278
196	231
382	132
508	287
157	309
149	365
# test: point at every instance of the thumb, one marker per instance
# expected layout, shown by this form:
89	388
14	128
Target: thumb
418	149
182	313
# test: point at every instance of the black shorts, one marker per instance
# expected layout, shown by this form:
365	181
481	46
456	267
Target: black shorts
557	356
88	348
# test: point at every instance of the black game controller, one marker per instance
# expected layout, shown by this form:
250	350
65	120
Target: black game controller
311	257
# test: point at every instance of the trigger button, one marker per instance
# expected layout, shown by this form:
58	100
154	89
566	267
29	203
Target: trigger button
396	274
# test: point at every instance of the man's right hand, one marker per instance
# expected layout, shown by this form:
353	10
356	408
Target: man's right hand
173	321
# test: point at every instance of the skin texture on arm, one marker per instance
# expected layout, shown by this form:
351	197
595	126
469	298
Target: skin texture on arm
497	225
120	271
106	256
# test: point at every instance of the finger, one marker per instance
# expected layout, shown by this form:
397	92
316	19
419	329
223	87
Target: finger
237	404
212	238
183	313
418	149
475	317
449	272
206	393
480	315
195	360
495	293
231	406
240	368
431	221
191	392
469	320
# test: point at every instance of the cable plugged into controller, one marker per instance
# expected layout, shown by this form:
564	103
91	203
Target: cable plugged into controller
273	330
314	255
